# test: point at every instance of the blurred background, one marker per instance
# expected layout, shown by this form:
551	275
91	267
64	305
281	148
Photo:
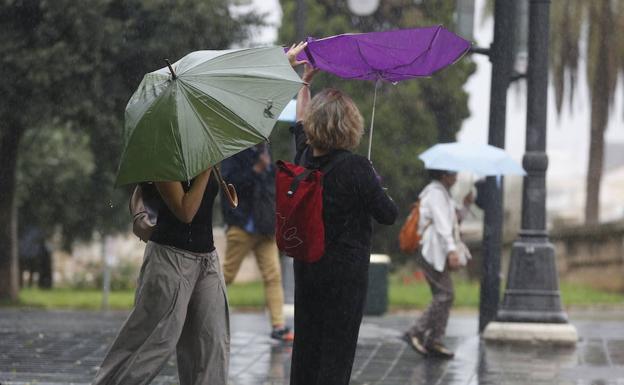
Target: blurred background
69	71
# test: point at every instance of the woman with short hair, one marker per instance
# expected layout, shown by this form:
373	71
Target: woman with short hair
330	294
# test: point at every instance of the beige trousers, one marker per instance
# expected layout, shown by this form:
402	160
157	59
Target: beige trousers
239	244
180	306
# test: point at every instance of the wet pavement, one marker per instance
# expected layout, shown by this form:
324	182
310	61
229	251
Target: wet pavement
65	347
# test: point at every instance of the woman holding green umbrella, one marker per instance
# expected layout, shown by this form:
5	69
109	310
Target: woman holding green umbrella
180	301
181	121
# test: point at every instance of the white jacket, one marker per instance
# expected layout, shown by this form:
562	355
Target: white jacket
438	224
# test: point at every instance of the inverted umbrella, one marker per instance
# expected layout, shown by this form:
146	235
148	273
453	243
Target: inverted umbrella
481	159
391	55
204	108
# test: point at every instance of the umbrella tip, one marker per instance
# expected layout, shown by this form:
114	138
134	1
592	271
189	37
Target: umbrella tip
173	75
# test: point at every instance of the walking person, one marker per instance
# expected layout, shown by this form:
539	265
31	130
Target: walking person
330	294
251	227
180	304
442	251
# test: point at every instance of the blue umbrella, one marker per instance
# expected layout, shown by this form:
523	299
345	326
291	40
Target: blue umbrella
289	113
481	159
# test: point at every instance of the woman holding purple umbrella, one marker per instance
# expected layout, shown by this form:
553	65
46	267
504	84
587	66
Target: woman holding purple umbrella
330	294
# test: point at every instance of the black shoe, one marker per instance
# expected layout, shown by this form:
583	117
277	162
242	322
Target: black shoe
283	334
439	350
415	342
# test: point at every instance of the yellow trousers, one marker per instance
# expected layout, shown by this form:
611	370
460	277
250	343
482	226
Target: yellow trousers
238	244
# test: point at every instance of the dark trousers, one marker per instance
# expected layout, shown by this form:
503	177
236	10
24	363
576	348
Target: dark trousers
329	301
431	325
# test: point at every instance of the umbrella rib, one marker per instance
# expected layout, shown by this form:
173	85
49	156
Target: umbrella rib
342	64
178	140
234	75
218	113
206	130
255	66
244	96
425	52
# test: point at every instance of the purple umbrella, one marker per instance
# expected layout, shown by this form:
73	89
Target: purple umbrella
392	55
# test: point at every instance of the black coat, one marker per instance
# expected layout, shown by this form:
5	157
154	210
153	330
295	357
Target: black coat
330	294
256	191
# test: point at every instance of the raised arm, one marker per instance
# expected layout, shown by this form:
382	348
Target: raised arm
184	205
303	97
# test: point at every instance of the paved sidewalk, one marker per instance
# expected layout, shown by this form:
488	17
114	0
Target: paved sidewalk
65	347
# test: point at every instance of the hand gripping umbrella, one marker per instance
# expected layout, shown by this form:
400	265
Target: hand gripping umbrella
391	56
207	106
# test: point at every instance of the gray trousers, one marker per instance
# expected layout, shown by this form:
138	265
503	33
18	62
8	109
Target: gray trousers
180	305
431	325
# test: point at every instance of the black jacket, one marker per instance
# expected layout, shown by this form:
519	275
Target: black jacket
352	196
256	192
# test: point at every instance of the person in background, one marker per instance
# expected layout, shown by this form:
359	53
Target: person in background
251	227
442	251
330	293
181	302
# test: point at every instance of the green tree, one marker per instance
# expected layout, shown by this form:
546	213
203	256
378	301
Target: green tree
410	116
604	55
70	68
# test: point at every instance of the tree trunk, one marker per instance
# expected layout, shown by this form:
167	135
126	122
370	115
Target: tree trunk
600	99
10	136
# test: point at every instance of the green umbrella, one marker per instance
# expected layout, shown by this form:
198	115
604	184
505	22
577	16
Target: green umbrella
207	106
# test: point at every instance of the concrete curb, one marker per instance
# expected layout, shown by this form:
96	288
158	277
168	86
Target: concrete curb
560	334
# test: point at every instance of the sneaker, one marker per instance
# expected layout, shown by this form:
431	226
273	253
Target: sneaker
283	334
439	350
416	343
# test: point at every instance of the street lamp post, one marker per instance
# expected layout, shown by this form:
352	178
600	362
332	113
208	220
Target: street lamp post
531	308
532	293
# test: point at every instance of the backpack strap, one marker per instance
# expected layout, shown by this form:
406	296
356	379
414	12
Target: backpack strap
324	170
294	185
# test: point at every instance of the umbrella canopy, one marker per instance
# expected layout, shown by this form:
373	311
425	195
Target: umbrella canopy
206	107
392	55
481	159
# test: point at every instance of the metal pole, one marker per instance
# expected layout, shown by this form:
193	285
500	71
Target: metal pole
532	292
105	274
501	56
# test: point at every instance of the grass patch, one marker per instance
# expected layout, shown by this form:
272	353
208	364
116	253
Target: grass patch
239	295
577	295
417	295
413	295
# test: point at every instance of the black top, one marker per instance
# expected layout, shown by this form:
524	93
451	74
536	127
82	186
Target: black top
195	236
352	195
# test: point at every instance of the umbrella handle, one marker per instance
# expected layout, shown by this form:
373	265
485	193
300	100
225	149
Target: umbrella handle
228	189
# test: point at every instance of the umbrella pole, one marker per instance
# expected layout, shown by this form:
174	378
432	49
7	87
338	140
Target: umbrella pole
370	134
173	74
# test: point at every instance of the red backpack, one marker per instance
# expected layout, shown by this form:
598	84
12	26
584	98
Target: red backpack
299	228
